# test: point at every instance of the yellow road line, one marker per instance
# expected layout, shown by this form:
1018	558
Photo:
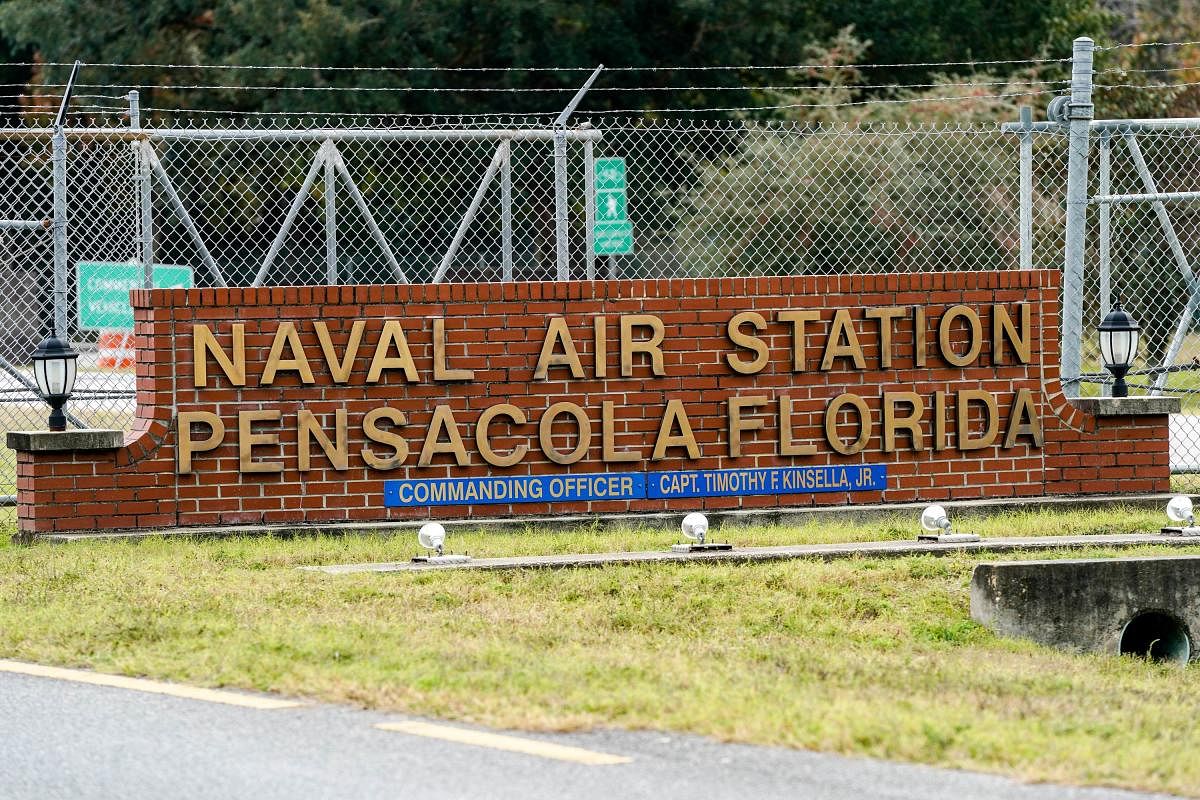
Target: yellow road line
143	685
496	741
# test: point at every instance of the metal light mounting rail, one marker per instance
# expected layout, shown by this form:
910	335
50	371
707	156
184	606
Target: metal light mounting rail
1179	509
937	523
432	536
695	527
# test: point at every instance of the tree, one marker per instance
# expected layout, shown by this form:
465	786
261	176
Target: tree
529	34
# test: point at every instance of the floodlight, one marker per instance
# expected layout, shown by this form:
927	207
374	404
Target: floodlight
1179	509
695	527
934	518
432	536
936	522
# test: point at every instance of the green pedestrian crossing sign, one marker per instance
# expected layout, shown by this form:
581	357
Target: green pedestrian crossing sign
612	232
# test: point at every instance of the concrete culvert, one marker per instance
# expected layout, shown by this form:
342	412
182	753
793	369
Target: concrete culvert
1156	636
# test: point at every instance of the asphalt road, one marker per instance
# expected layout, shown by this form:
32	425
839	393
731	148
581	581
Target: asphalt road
67	740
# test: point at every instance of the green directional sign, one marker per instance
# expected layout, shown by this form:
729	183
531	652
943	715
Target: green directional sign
610	174
612	232
104	288
614	238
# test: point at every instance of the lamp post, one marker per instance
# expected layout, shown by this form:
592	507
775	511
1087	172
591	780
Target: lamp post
54	371
1119	334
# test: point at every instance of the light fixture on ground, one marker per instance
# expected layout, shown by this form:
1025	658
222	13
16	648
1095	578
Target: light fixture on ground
54	371
1119	335
695	527
935	520
432	536
1179	509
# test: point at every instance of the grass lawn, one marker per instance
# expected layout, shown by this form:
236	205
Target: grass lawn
865	656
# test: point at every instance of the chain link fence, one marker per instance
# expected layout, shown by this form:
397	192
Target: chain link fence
474	202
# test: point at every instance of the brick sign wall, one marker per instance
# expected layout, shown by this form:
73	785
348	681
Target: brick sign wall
316	404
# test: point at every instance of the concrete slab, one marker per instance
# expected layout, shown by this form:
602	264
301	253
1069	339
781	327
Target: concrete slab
858	515
1136	406
57	441
1091	605
827	552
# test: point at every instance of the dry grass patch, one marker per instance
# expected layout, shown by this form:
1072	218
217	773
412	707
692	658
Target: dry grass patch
867	656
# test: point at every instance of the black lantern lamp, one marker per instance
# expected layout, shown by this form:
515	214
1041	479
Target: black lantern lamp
54	370
1119	334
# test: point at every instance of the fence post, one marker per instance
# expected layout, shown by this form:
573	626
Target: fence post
58	143
1079	112
144	196
561	223
331	257
506	215
1105	187
1026	200
589	206
59	228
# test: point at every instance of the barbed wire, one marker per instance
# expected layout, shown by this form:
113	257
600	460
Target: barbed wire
1128	45
1145	85
784	106
289	67
530	90
336	114
1123	71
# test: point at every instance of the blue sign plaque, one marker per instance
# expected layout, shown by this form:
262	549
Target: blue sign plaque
409	492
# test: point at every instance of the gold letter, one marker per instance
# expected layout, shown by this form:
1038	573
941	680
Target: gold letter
1023	420
798	319
842	328
939	420
886	316
608	437
674	415
339	456
582	423
920	349
1002	327
286	332
440	371
975	341
443	420
991	418
393	440
392	332
203	343
748	341
787	447
651	346
247	440
183	424
557	332
483	438
600	342
738	425
864	424
910	423
340	371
